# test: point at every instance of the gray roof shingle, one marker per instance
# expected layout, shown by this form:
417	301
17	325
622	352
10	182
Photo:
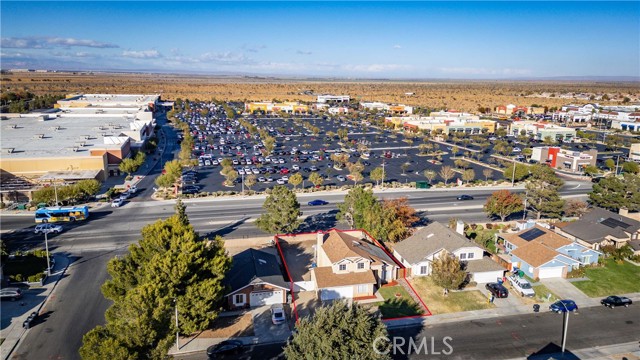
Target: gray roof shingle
254	266
428	240
592	229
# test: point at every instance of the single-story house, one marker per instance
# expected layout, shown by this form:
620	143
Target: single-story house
541	253
255	279
350	265
418	251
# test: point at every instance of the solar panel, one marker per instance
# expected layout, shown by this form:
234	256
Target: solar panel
612	223
532	234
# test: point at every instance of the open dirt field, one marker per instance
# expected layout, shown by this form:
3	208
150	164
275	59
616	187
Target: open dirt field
459	95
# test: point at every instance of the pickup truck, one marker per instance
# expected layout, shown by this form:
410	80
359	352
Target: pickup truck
521	286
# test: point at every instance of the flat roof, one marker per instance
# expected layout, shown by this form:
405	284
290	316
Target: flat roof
70	175
31	137
112	100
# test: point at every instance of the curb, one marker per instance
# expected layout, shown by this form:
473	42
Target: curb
42	304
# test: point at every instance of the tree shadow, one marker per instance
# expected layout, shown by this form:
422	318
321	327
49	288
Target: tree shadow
226	229
318	222
398	307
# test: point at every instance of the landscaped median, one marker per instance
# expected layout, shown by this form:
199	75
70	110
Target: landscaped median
614	278
454	301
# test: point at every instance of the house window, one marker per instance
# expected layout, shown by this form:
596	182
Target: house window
360	265
342	267
470	256
423	270
586	259
238	299
463	256
362	288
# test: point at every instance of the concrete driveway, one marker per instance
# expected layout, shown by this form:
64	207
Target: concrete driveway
511	301
264	329
565	290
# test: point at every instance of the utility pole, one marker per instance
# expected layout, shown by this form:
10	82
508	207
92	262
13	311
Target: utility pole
617	161
243	183
383	165
177	328
46	245
55	190
513	176
524	210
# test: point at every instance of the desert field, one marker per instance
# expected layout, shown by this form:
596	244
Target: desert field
458	95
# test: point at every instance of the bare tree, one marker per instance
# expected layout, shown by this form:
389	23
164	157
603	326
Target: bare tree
447	173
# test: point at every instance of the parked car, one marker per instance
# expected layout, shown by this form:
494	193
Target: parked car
341	178
561	306
117	202
277	314
50	228
465	197
613	301
498	290
224	348
521	286
12	294
317	202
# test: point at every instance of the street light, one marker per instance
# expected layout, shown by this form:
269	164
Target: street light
46	246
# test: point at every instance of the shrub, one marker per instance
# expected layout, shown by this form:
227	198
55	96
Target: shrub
35	278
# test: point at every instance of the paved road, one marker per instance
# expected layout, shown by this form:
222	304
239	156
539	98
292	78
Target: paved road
80	305
513	337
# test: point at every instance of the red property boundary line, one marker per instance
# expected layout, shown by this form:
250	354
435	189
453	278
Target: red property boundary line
276	239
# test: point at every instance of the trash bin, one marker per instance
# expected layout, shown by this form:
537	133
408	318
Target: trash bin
536	308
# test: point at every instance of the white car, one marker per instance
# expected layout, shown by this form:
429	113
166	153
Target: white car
516	149
117	202
521	286
277	314
255	171
261	179
295	167
285	178
341	178
240	171
281	182
50	228
269	179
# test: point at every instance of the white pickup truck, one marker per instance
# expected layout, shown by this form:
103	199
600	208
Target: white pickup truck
521	286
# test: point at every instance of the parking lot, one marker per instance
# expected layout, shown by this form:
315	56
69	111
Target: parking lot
307	144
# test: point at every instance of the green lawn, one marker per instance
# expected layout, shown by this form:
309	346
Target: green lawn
25	265
614	278
394	306
456	301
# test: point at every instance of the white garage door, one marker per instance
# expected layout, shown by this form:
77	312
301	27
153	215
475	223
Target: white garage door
265	298
550	272
487	276
336	293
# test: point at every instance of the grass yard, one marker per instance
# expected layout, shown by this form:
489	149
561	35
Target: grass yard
456	301
613	278
394	306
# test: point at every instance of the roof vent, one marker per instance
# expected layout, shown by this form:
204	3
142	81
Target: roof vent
38	136
14	126
262	262
355	243
430	235
75	149
85	137
7	150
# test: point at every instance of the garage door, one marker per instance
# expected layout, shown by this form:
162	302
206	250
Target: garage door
487	276
550	272
336	293
265	298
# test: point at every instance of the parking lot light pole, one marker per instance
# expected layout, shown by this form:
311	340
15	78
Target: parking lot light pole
243	184
513	176
383	165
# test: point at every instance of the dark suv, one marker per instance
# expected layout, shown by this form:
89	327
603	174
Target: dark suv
498	290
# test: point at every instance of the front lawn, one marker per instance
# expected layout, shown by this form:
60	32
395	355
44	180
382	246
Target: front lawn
613	278
456	301
397	306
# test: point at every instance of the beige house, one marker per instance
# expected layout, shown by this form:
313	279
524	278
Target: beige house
349	264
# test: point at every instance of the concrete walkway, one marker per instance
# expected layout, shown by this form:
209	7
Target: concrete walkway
33	300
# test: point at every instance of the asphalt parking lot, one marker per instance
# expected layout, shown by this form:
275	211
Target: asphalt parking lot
299	149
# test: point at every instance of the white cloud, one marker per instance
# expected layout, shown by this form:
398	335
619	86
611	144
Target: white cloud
142	54
396	46
45	42
253	48
375	68
302	52
76	54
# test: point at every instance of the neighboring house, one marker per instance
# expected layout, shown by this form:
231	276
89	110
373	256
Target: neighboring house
600	227
255	279
418	251
350	265
541	253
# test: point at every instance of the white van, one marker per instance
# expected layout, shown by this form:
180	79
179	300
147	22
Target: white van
521	286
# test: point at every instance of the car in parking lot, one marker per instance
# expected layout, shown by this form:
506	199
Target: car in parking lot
317	202
281	181
226	347
49	228
561	306
277	314
498	290
341	178
11	293
465	197
615	301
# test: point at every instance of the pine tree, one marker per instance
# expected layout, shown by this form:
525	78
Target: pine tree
282	211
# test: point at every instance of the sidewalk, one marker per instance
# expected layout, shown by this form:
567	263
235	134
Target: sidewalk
33	300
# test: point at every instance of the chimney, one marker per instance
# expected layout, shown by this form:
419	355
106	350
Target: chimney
460	227
319	242
623	211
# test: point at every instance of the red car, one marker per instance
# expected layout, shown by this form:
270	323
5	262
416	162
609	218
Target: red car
284	171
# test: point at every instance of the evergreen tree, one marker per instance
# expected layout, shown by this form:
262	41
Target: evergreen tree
356	204
447	272
542	192
282	211
337	332
613	193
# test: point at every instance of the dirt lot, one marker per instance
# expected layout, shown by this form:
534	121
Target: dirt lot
230	326
460	95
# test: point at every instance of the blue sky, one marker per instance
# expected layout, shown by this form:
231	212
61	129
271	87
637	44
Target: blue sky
330	39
